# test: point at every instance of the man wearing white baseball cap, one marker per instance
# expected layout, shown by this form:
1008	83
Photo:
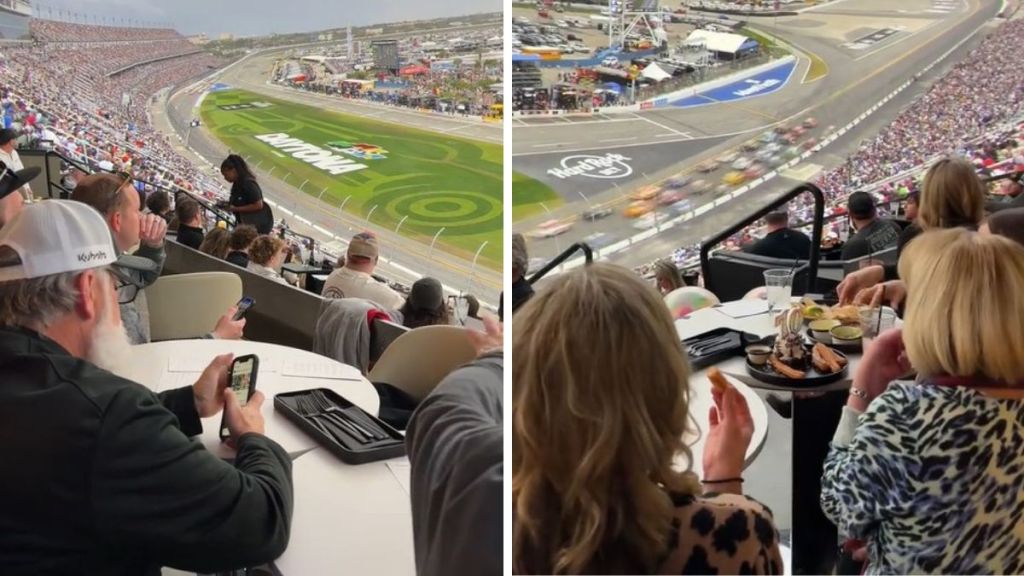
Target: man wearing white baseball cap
101	476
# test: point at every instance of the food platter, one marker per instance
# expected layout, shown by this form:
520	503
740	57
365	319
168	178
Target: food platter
793	362
812	376
853	346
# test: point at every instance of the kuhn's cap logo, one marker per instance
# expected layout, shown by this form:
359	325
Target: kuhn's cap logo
359	150
86	257
608	167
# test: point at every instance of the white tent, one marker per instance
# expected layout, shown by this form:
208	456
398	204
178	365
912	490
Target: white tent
717	41
655	72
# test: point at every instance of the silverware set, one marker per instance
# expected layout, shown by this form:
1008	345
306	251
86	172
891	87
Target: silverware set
344	425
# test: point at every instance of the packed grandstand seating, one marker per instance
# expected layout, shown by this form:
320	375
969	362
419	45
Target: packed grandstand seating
55	31
971	111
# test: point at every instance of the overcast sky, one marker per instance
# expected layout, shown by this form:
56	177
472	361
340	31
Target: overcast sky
260	17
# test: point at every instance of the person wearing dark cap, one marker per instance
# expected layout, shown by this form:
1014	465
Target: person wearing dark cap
874	234
11	201
781	240
425	305
1012	195
9	156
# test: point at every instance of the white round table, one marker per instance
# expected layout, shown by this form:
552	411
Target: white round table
172	364
349	519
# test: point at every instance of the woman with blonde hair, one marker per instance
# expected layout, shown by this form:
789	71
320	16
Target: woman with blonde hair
266	256
952	196
929	473
601	476
667	277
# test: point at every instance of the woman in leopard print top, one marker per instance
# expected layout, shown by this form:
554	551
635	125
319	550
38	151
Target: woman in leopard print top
931	473
599	415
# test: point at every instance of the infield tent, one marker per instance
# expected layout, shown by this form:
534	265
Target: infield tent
724	45
655	72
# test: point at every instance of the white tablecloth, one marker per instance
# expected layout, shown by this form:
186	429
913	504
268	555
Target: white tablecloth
152	363
350	519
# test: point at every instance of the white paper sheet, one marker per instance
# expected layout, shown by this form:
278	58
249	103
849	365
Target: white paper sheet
316	369
196	364
402	470
743	308
173	380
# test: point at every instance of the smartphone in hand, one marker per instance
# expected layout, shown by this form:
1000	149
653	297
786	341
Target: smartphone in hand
243	306
242	381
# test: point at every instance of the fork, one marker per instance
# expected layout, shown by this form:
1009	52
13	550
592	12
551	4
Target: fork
310	412
328	407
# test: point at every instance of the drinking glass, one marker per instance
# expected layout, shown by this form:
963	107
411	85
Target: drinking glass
873	323
779	287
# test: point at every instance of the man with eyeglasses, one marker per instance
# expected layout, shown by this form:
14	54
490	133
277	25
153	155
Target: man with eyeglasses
100	475
115	197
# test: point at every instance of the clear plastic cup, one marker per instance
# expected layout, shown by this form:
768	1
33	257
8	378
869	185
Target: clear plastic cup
778	283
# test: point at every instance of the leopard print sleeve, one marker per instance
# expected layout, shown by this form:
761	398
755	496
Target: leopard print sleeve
870	479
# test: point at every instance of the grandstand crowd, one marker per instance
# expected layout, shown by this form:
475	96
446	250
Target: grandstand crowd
74	278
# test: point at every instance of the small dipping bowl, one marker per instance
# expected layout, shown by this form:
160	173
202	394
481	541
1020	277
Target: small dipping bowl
758	354
821	329
847	335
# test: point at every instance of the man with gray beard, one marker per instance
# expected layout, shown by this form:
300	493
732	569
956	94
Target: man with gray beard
100	475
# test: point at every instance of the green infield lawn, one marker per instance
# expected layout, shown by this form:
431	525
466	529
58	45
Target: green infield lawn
528	194
430	180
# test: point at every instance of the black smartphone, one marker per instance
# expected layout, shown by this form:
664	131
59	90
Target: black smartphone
243	306
242	380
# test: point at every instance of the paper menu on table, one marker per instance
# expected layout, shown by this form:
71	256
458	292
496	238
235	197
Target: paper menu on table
196	364
303	368
402	471
743	308
174	380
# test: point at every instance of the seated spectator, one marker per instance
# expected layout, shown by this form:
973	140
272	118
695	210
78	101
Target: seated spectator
216	243
781	240
602	478
1012	198
11	202
912	205
266	256
1009	223
521	288
425	305
355	279
111	482
241	240
472	307
454	441
9	157
118	201
928	472
159	203
190	223
874	234
667	277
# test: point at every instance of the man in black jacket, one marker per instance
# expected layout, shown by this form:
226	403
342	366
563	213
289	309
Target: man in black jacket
781	241
190	223
100	476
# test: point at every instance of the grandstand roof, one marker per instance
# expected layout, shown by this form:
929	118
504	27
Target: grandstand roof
720	41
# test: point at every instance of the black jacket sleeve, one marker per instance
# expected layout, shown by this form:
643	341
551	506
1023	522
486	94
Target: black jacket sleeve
179	505
181	402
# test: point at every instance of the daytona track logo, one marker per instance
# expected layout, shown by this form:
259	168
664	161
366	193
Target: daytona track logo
310	154
359	150
608	167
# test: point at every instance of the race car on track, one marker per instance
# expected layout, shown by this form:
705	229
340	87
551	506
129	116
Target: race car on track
810	143
677	182
810	122
637	209
598	240
700	186
734	178
754	171
670	197
707	166
645	193
594	214
646	221
682	207
741	163
750	145
728	157
550	229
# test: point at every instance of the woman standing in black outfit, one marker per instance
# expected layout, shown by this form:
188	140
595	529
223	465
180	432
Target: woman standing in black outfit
246	196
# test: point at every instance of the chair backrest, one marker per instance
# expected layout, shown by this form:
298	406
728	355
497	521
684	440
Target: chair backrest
418	360
382	334
189	305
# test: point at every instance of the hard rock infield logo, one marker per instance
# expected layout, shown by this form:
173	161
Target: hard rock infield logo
359	150
608	167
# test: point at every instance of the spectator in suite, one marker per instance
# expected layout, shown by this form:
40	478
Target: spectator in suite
472	307
454	441
267	256
874	234
159	203
190	223
118	201
355	279
216	243
425	305
11	201
781	240
111	483
912	206
928	473
1012	197
246	195
9	156
1009	223
521	288
667	277
241	240
602	477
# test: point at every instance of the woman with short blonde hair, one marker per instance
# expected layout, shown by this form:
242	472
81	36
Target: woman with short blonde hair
952	195
928	472
601	478
266	256
667	277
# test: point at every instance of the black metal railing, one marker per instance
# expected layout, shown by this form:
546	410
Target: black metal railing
819	213
588	256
